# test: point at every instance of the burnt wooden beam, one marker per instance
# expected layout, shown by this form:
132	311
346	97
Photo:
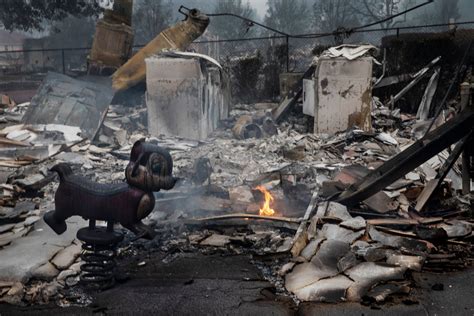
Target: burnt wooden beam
250	216
432	185
434	142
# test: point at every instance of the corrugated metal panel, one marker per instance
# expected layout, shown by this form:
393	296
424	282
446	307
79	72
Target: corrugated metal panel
63	100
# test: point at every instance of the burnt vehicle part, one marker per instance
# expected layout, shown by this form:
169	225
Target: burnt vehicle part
149	170
177	37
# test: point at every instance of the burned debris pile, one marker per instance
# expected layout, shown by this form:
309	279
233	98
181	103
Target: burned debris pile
350	258
336	192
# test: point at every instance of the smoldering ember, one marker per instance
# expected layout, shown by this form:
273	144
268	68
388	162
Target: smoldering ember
230	157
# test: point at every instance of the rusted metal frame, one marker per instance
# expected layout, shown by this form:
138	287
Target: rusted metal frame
442	172
422	150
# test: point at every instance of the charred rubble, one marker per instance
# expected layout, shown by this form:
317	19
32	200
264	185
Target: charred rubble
332	205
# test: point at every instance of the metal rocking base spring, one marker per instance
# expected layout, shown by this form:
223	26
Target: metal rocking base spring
99	251
98	267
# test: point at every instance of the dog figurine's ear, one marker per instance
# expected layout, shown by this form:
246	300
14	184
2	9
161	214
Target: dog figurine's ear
136	155
150	168
137	164
137	150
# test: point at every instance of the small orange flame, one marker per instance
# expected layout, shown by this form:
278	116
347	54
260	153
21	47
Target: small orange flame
266	210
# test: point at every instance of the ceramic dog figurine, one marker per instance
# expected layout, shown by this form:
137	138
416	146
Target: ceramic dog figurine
149	170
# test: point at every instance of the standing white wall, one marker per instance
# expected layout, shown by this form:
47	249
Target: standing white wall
340	94
343	94
185	97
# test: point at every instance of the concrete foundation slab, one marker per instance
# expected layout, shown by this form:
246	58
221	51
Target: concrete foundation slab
24	255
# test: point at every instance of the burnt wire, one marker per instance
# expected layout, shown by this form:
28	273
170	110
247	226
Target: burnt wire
311	36
251	22
392	16
338	32
342	31
451	85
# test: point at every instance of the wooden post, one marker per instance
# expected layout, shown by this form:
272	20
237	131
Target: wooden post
466	179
